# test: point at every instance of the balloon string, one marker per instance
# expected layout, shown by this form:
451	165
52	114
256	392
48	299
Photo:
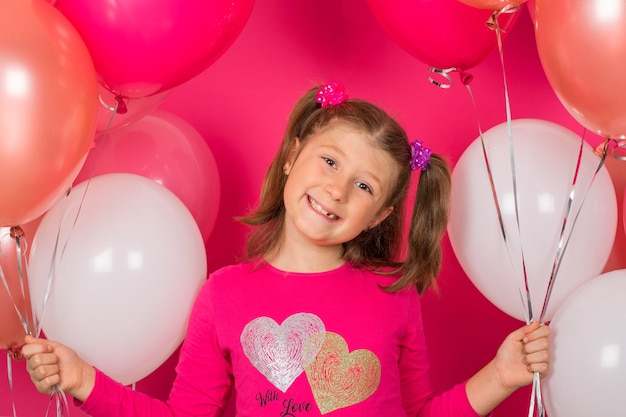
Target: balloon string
119	107
10	379
18	234
22	316
466	77
444	73
51	273
560	249
58	396
536	402
118	102
54	261
564	240
503	229
59	400
601	149
493	24
23	322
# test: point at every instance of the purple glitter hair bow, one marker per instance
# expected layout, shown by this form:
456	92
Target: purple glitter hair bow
331	94
420	156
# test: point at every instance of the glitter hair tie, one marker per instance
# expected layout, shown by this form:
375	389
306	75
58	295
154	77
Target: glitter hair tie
331	94
420	156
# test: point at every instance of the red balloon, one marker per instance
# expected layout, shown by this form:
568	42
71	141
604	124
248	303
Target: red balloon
142	47
165	148
582	47
48	97
441	33
493	4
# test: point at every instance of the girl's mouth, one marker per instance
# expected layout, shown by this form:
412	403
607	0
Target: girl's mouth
320	210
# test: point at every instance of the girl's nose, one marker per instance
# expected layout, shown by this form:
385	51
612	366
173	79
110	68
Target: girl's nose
337	189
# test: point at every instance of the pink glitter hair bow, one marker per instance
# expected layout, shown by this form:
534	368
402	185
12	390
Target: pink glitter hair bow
420	156
331	94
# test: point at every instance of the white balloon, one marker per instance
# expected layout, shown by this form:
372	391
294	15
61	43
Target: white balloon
588	351
130	261
545	156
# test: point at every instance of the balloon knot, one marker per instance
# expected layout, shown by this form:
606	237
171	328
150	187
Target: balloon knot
16	232
16	355
466	77
121	105
492	22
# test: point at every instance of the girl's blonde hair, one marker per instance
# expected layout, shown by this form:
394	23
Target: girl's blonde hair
378	248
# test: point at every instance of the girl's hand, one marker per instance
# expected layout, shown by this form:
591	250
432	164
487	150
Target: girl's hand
50	363
523	352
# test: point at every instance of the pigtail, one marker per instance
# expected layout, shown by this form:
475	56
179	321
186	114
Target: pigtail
269	215
429	220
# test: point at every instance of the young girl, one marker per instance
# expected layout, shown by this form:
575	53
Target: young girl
324	318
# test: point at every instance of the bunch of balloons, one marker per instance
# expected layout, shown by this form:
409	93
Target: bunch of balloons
112	198
533	239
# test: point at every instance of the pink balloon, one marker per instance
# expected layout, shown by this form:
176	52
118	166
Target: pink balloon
165	148
143	47
582	47
588	340
545	155
441	33
48	97
116	112
132	263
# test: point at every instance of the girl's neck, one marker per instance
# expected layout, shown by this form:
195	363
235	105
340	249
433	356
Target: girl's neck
292	259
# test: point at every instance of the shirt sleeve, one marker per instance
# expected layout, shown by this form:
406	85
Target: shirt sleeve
417	393
110	398
202	386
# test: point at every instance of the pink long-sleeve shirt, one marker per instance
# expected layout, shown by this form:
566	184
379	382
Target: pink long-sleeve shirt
296	345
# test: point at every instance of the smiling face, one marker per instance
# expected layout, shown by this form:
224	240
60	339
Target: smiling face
338	182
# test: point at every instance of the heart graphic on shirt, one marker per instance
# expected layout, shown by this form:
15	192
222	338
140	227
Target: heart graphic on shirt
277	351
340	378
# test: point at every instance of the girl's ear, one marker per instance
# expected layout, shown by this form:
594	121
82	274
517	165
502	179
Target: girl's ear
291	158
384	213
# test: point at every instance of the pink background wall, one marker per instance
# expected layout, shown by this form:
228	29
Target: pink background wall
240	106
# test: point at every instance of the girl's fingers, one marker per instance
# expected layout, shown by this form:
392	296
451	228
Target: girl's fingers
43	372
542	368
535	331
34	347
40	360
538	345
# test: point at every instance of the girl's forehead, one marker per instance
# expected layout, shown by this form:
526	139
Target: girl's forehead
337	129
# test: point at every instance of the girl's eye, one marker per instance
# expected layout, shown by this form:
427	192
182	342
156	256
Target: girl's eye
364	187
329	162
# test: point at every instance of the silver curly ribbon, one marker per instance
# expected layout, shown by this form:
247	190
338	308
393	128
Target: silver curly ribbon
58	399
25	316
446	81
617	146
536	398
536	401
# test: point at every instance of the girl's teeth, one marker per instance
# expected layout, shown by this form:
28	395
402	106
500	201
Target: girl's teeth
319	209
